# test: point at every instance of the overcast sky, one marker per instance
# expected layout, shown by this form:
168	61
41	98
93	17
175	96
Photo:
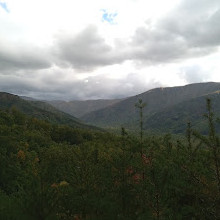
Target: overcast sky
90	49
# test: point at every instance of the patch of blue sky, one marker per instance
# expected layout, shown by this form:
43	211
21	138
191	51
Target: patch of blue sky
4	6
109	17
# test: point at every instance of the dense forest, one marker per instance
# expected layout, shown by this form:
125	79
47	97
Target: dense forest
52	171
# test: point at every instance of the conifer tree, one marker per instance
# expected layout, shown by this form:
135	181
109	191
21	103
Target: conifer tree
140	105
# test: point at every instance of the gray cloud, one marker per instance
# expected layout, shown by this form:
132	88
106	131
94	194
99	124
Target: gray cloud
155	46
104	87
20	57
53	86
197	22
86	51
191	30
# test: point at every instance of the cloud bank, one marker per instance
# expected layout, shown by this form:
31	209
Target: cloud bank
89	59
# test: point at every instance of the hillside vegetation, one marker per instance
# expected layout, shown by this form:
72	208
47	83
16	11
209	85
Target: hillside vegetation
174	119
51	171
167	102
38	109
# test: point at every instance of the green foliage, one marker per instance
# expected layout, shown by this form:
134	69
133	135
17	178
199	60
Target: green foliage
38	109
50	171
168	110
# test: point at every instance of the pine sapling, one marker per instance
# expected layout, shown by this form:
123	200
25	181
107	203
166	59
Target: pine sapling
214	141
140	105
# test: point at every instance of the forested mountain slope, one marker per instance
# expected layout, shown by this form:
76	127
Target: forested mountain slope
50	171
124	112
38	109
174	119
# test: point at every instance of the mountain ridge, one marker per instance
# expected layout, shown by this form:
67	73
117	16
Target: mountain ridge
78	108
39	109
125	113
167	109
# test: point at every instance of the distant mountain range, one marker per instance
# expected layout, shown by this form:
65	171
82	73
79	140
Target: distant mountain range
39	109
167	109
80	108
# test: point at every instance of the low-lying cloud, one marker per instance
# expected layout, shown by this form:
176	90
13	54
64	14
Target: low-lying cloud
54	86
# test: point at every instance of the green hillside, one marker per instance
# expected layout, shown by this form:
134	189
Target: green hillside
125	114
174	119
55	172
39	110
